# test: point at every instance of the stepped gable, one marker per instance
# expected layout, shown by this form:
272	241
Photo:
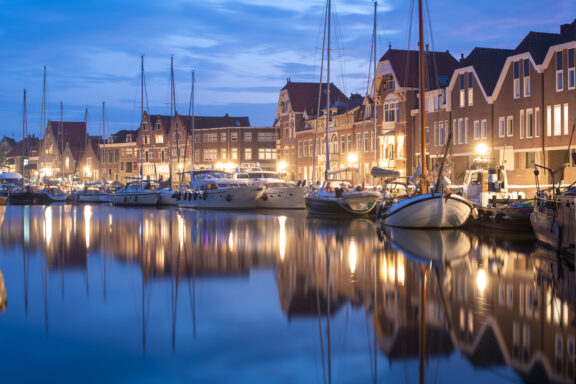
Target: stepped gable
304	96
537	44
74	133
567	33
439	67
488	64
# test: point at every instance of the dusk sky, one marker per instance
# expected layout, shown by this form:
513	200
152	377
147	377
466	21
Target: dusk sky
241	50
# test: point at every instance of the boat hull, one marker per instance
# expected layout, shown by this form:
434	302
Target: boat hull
168	197
431	210
231	198
90	197
144	198
283	198
36	198
349	204
503	219
555	232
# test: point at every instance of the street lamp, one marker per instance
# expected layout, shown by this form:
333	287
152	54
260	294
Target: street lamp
282	166
482	149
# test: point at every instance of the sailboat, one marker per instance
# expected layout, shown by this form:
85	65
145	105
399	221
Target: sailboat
436	209
167	196
137	192
327	199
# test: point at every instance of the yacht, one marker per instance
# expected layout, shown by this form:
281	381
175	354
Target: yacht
279	194
219	190
341	201
92	193
136	193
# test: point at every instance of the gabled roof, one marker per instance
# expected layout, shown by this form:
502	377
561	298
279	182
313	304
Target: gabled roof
304	96
200	122
439	67
23	147
74	133
121	136
537	44
488	64
567	33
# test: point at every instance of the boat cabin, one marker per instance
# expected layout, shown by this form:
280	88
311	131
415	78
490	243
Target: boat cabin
488	187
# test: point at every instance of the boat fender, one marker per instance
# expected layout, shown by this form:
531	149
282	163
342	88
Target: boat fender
475	213
228	197
204	195
265	197
498	217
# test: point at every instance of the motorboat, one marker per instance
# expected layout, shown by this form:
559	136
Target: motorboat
279	194
29	196
137	193
92	193
342	200
219	190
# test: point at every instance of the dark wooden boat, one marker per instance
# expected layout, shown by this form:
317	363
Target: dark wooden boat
514	217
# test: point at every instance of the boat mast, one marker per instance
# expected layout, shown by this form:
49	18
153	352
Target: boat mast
104	137
422	101
375	143
172	108
25	142
329	17
142	114
61	137
192	107
42	123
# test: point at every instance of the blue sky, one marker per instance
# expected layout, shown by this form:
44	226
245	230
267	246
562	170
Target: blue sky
241	50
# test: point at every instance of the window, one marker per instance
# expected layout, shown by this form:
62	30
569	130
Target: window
144	126
559	72
210	137
565	119
460	131
234	153
516	69
266	137
223	137
548	120
476	130
571	75
342	144
248	136
557	120
391	111
466	130
159	139
502	125
454	140
197	138
146	139
462	92
484	129
537	122
526	78
470	89
441	133
509	126
223	154
521	127
266	154
210	155
529	123
436	133
247	153
299	149
233	136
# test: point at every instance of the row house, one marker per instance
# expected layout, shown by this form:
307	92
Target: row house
297	103
60	151
518	103
18	158
119	156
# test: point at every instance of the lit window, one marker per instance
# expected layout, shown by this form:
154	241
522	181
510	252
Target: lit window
559	72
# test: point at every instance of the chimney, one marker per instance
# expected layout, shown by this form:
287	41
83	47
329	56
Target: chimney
461	57
288	80
389	45
226	116
564	28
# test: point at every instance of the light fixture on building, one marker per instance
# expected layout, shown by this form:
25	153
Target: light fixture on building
352	158
482	149
282	166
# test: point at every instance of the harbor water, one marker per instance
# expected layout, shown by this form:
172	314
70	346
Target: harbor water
102	294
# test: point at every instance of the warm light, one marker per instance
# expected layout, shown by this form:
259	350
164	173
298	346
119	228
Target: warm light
282	166
352	256
181	231
481	280
282	245
180	167
47	171
87	222
383	270
231	241
482	149
219	166
401	271
352	158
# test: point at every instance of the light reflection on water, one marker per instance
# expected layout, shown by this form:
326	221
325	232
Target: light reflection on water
98	293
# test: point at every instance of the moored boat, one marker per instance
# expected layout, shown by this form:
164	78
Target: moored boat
134	194
218	190
339	201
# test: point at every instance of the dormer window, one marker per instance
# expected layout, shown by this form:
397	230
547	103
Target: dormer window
516	75
470	89
462	91
526	78
571	74
559	72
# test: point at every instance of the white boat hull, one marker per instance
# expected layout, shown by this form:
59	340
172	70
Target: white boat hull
283	198
440	246
230	198
168	197
90	198
431	210
138	198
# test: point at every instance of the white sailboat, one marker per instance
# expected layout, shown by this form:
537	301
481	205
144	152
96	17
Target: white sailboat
329	200
436	209
138	192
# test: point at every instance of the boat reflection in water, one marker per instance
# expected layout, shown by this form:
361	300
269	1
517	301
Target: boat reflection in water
310	299
3	295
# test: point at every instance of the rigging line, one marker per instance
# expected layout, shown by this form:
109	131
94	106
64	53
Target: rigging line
407	61
363	149
319	98
433	56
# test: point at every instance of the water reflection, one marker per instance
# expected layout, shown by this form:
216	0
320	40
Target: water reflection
499	302
3	295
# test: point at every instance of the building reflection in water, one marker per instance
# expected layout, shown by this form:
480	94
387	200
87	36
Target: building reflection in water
499	302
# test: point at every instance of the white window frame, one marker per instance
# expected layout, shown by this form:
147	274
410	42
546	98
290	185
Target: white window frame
466	130
476	129
522	122
460	131
530	118
502	127
566	121
510	126
557	130
484	129
536	122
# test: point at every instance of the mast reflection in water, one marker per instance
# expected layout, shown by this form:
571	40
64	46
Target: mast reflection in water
129	295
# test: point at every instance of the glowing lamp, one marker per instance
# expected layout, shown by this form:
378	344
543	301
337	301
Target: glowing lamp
482	149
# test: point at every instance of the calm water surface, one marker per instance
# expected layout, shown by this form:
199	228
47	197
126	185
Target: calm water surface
97	294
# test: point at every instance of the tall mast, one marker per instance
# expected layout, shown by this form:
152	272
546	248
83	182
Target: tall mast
375	143
172	108
422	101
85	144
25	142
61	137
142	123
193	134
329	16
42	123
104	134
